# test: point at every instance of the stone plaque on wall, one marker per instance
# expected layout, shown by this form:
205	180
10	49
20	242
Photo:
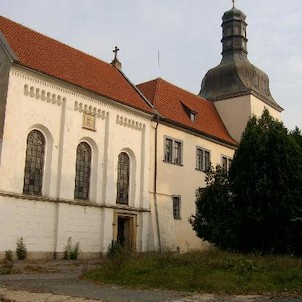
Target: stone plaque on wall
88	121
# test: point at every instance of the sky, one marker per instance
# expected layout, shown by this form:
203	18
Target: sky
185	33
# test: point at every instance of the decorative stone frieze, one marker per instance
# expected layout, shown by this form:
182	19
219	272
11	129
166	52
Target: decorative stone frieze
90	110
88	121
127	122
43	95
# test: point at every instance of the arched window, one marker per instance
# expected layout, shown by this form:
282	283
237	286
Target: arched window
34	162
123	171
83	162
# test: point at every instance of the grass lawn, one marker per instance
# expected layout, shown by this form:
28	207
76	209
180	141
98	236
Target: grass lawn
212	271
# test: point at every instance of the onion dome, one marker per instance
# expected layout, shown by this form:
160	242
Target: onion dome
235	75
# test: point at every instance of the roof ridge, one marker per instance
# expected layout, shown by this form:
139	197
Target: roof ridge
136	89
185	90
158	80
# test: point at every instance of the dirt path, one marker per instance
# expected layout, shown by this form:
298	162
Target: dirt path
58	281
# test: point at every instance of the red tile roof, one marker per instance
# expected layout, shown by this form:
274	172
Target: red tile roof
175	104
46	55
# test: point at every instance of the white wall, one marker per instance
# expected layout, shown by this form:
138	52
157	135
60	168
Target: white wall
183	181
118	128
236	112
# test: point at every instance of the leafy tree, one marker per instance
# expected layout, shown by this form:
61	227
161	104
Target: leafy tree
258	206
215	210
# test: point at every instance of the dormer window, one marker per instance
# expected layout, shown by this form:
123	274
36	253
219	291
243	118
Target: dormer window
193	116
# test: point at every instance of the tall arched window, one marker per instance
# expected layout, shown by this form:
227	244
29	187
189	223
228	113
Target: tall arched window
34	162
83	162
123	171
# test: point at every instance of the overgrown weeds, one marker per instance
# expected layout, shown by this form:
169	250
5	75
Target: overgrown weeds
21	250
71	251
7	265
9	255
209	271
118	257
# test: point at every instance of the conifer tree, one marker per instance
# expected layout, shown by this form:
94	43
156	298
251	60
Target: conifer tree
258	205
266	180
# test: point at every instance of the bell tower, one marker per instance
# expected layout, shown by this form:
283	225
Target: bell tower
234	32
238	88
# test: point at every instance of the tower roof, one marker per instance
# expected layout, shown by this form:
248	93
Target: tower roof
235	75
233	14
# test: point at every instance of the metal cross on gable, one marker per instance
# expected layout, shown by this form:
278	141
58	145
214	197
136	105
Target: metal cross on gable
116	49
233	2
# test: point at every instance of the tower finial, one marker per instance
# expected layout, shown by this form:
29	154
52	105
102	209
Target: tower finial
233	3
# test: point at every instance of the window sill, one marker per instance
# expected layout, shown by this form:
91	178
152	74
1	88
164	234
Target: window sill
199	170
171	163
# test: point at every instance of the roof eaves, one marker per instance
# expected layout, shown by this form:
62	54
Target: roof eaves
247	92
149	113
213	138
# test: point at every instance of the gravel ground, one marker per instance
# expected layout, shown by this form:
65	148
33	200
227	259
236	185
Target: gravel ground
58	281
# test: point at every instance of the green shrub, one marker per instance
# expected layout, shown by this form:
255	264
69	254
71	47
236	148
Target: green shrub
6	267
74	253
242	265
21	250
71	251
8	255
114	249
118	256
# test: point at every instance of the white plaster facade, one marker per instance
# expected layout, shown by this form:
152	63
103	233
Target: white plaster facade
179	180
46	222
235	112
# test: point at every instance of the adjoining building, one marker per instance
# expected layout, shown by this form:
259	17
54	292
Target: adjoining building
186	138
87	155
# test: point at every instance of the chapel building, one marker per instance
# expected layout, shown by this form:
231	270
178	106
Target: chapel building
74	149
